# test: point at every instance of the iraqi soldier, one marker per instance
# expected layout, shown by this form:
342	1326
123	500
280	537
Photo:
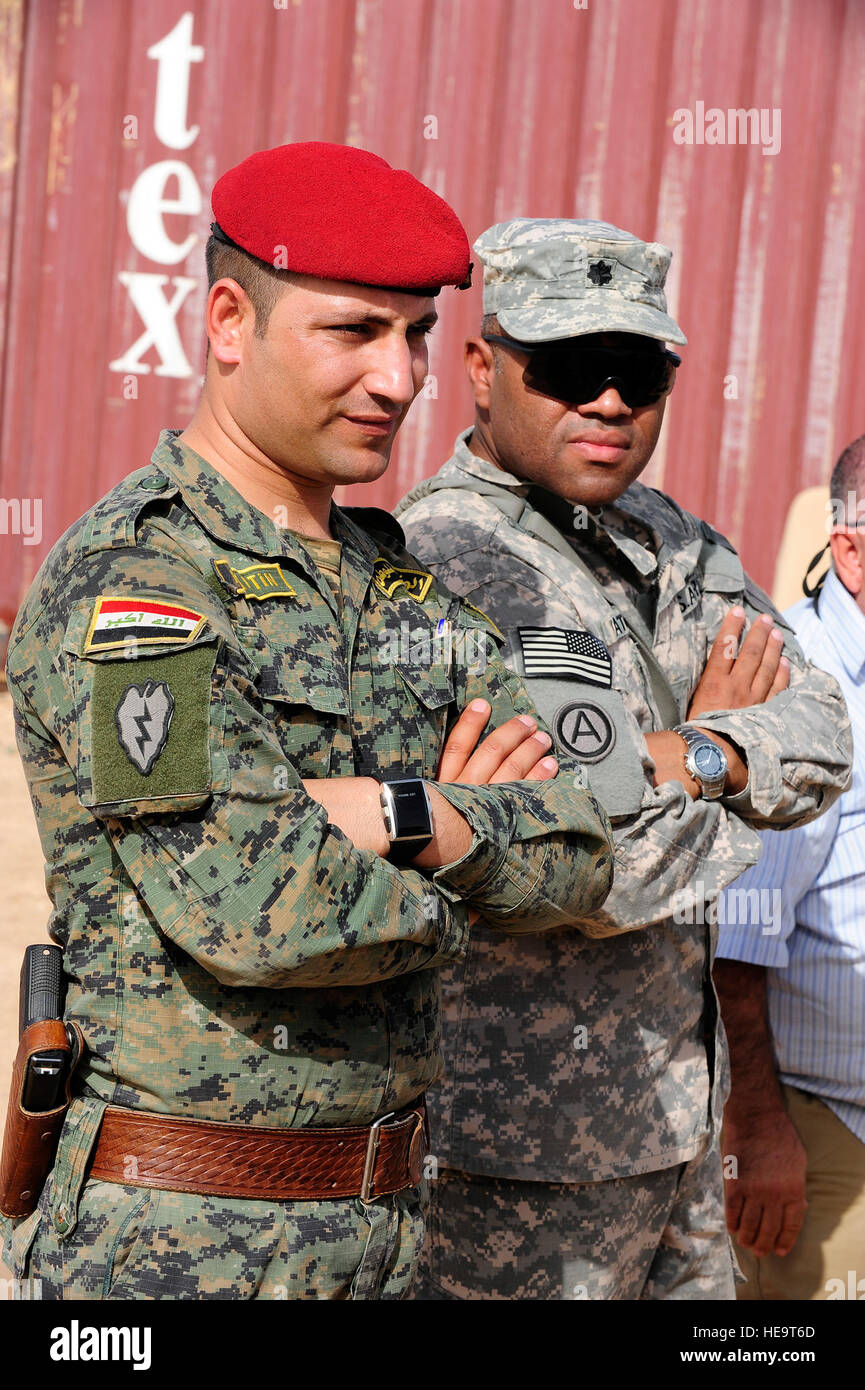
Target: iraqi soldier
266	821
585	1074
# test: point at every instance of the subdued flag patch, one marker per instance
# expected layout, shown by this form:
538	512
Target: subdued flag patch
117	622
559	653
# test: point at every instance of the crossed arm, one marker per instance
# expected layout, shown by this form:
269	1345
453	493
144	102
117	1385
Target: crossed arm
512	753
729	681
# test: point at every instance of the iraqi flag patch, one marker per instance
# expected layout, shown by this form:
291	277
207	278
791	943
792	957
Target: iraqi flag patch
119	622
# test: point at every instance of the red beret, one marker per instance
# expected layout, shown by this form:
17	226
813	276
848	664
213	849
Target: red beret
340	213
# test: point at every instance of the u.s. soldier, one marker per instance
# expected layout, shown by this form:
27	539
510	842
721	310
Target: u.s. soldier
210	695
585	1078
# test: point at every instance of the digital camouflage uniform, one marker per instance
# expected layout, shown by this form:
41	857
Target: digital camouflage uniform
230	955
580	1061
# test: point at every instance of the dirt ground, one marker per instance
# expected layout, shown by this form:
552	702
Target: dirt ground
24	905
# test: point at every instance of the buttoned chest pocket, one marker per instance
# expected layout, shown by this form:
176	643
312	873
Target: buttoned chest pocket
306	705
723	581
421	712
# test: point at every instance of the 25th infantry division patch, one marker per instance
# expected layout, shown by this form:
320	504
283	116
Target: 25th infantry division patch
143	718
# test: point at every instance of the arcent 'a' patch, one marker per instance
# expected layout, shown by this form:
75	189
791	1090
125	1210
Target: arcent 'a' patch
586	730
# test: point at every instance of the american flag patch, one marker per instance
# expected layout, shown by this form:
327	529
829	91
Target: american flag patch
117	622
556	652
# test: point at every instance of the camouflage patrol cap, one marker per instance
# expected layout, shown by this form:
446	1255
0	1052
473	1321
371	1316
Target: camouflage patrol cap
547	278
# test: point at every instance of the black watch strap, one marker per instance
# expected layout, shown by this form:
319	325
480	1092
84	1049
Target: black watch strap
407	816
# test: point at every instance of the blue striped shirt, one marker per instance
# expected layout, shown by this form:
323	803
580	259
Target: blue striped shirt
804	913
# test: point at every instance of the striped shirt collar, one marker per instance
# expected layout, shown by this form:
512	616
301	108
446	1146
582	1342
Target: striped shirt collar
845	623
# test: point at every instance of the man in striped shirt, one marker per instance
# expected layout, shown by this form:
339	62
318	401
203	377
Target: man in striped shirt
792	988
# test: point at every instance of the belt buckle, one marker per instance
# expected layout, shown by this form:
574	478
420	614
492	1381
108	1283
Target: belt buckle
372	1146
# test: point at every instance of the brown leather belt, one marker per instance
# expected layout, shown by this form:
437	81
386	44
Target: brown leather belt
140	1149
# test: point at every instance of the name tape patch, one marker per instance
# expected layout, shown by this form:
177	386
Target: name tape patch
254	581
388	578
691	594
119	621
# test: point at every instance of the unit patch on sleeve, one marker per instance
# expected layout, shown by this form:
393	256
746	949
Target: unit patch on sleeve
143	718
586	730
388	578
118	621
146	741
254	581
558	653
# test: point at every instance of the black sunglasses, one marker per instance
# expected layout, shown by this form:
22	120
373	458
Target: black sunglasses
578	374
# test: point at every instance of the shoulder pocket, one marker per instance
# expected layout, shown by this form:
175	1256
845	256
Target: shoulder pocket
592	724
722	570
148	725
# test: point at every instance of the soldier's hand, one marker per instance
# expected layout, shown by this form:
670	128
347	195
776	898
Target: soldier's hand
511	753
766	1200
756	674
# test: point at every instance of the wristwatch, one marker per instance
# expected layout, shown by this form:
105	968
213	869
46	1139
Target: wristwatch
407	817
705	761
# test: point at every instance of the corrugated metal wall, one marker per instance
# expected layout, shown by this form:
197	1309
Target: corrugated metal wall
505	107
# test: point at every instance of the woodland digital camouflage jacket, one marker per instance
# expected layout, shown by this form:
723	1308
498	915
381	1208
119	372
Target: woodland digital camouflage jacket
179	664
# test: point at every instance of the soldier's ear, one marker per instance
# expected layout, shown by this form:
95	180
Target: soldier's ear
480	364
847	560
229	308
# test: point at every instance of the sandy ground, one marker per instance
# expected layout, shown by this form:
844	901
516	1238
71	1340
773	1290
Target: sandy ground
24	905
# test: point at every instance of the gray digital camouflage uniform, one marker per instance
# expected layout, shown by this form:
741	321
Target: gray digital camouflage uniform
572	1060
179	664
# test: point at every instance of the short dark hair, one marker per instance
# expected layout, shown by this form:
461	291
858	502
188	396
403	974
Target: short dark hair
848	476
263	283
490	325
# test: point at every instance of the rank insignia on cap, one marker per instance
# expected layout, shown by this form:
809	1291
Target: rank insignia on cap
117	622
254	581
600	273
388	578
143	718
559	653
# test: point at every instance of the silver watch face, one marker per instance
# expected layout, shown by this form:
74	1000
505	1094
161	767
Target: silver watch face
710	761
